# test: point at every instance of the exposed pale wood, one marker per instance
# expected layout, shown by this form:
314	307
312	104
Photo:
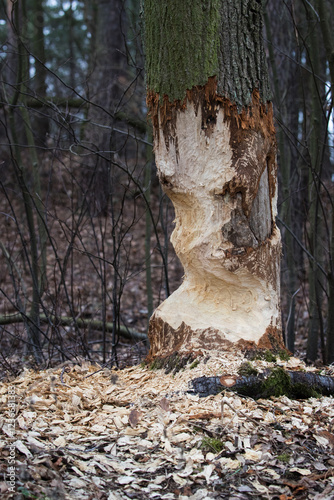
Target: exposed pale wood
219	170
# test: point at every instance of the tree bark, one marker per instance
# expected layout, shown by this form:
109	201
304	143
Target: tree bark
40	87
285	113
105	89
328	40
215	151
316	230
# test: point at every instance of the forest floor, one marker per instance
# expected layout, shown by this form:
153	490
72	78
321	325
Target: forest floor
85	433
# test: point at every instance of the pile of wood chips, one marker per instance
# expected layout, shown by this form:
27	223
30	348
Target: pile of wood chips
85	433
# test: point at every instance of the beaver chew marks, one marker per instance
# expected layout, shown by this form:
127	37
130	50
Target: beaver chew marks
218	167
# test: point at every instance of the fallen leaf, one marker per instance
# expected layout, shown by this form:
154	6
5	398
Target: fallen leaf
323	441
164	404
134	417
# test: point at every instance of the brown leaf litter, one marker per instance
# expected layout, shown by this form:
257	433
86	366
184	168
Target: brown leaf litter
137	433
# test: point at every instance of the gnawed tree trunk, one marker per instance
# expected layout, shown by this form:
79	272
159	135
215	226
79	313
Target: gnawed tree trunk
215	150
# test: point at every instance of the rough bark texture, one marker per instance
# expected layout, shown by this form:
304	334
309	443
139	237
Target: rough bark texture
187	42
242	62
182	44
215	151
106	90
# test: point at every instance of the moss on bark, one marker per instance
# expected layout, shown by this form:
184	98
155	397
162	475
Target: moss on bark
188	42
181	44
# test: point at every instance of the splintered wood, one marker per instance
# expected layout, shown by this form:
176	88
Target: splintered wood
138	433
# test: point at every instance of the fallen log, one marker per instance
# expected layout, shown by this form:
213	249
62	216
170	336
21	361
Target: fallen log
122	331
274	382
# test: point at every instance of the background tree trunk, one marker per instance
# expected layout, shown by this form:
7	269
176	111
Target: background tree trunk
40	87
106	90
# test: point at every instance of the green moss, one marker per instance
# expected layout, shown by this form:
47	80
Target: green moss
194	364
247	369
181	43
157	364
26	493
212	444
285	457
304	391
284	355
266	355
277	384
269	357
173	363
187	42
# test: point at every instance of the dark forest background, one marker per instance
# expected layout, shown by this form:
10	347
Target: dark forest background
84	226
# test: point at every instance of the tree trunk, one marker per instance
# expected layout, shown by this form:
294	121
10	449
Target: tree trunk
106	93
288	107
328	40
38	48
215	150
316	230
